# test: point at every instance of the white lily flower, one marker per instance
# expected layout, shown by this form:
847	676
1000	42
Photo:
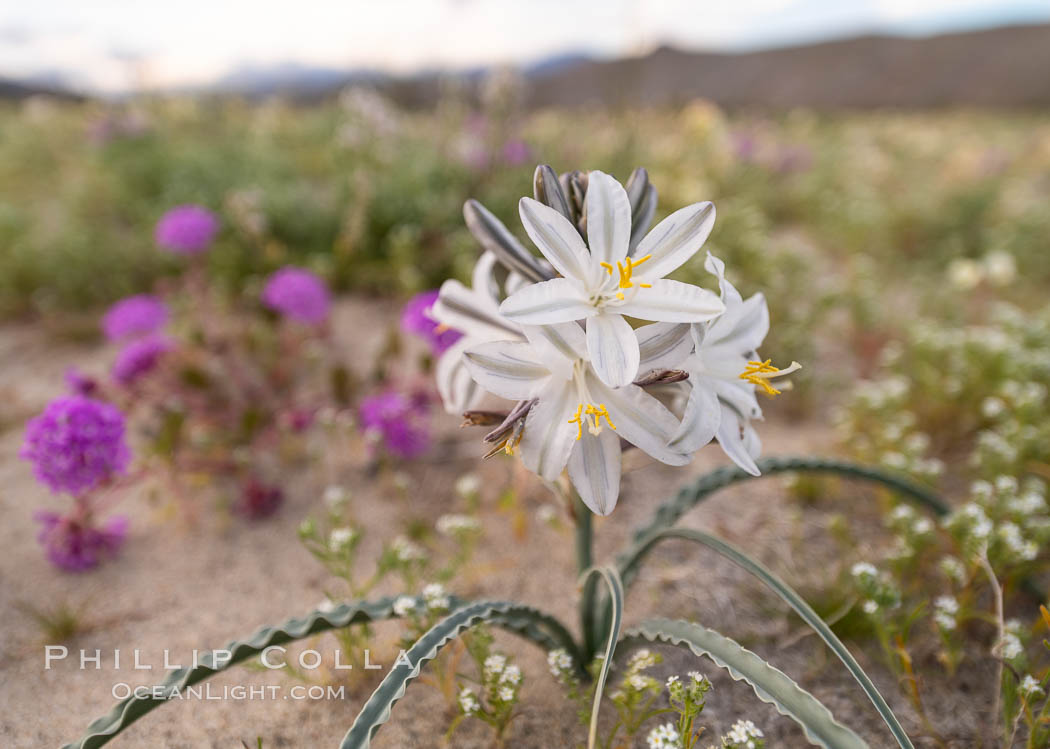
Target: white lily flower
602	283
474	312
724	370
577	420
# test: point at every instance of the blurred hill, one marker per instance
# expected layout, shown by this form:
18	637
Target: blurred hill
1007	66
1000	67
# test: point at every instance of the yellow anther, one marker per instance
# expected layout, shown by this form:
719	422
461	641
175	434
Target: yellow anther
620	296
761	372
441	329
608	267
596	412
646	285
578	422
627	270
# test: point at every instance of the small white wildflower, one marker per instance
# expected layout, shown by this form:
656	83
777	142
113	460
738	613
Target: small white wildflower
547	513
638	683
1000	267
404	606
435	597
1010	646
922	526
1030	686
511	675
696	676
468	701
506	694
902	513
1006	485
559	662
863	569
672	681
964	273
947	604
870	607
953	569
981	489
451	525
495	664
664	737
335	497
326	606
407	551
743	731
641	659
895	460
992	407
468	485
341	538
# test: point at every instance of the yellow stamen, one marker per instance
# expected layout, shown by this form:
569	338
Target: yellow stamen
441	328
608	267
596	412
620	296
627	270
761	372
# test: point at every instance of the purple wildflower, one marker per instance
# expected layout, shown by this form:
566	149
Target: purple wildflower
415	319
259	500
186	229
74	545
398	422
297	294
76	444
137	315
140	357
80	383
516	152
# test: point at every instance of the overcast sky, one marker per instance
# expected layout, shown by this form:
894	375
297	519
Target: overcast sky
114	45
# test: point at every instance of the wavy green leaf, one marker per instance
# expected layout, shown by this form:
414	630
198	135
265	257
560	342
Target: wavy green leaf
377	709
529	623
690	495
630	561
770	684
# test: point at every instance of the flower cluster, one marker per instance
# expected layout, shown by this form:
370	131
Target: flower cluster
396	422
416	320
494	699
555	336
135	316
76	444
74	544
298	295
743	734
186	229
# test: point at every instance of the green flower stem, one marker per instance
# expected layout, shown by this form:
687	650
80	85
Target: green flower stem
584	562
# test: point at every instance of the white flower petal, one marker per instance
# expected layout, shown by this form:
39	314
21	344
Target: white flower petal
737	440
471	313
507	368
716	266
672	301
554	301
608	219
744	325
613	349
549	437
739	395
556	238
674	240
663	345
700	419
558	346
482	279
594	468
640	419
456	387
